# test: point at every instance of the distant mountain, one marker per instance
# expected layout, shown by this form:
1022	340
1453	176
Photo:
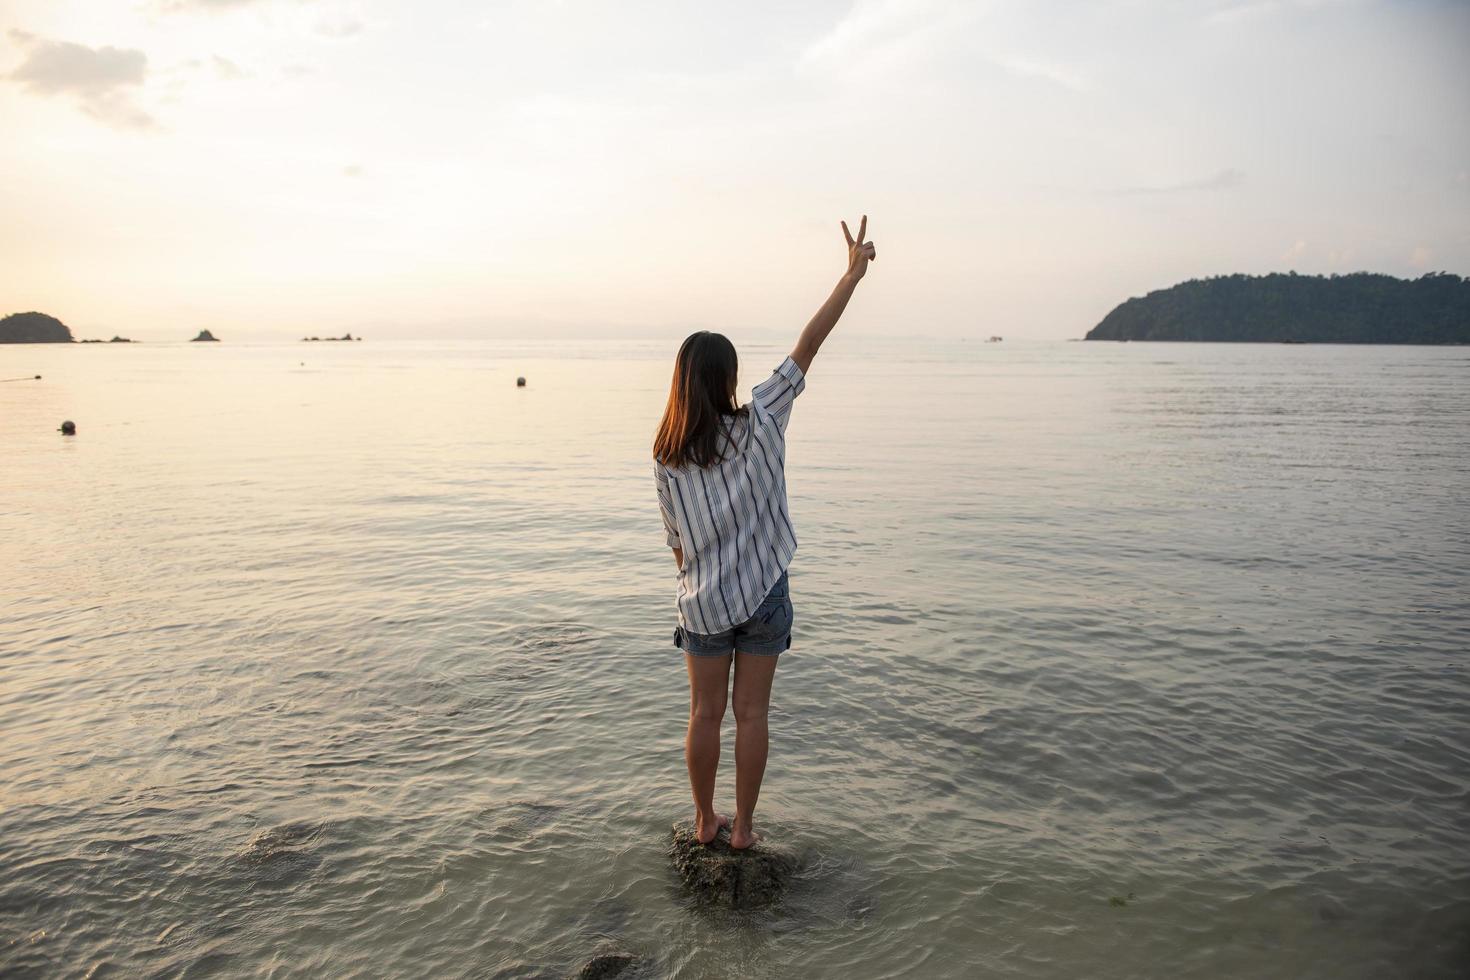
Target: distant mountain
33	328
1362	308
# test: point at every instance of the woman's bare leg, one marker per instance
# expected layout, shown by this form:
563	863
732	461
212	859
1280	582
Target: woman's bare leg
752	700
709	683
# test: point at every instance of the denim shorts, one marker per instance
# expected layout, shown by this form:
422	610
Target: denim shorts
767	632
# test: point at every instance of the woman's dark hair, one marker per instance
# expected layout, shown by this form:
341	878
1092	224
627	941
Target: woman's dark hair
701	395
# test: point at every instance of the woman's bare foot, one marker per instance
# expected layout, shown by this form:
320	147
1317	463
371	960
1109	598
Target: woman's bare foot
742	837
708	829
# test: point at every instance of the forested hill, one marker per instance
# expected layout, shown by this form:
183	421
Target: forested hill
33	328
1362	308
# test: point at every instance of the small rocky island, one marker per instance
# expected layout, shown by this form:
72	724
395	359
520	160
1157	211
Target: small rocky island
345	336
33	328
1362	308
204	335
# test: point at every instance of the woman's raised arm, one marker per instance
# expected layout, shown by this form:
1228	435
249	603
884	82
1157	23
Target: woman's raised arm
859	254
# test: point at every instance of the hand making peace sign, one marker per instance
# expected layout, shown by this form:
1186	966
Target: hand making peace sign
859	253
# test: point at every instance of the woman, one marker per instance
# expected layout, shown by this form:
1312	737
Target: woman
720	470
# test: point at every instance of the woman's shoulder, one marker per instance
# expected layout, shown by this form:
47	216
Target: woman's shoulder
736	432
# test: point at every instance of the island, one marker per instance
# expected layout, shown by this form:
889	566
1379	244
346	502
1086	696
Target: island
1360	308
33	328
204	335
345	336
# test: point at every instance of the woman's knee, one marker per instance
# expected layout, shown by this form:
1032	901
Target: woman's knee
707	710
751	710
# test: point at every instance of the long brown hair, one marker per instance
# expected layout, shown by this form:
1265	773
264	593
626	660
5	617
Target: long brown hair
701	396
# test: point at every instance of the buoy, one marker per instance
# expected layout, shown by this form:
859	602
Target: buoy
520	382
68	428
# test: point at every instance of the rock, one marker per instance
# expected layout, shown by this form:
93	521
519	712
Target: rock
606	965
520	382
716	874
33	328
279	857
68	428
206	335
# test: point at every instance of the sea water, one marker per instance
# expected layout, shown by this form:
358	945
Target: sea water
1110	660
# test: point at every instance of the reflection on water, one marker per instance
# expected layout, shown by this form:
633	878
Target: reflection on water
1111	660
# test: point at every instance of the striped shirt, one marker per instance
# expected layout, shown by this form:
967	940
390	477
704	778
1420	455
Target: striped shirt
730	518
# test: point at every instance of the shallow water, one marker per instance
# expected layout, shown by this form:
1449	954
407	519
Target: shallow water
355	660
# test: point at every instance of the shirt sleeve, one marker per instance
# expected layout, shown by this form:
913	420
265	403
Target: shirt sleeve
666	507
778	393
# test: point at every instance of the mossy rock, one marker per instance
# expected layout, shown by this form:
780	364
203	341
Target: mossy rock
717	874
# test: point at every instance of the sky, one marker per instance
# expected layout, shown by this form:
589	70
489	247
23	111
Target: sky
275	168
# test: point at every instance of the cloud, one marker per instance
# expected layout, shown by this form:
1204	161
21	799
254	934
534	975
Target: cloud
1226	179
1250	11
99	79
863	26
1421	256
174	6
223	68
1297	250
1241	12
1057	74
882	33
339	28
227	69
